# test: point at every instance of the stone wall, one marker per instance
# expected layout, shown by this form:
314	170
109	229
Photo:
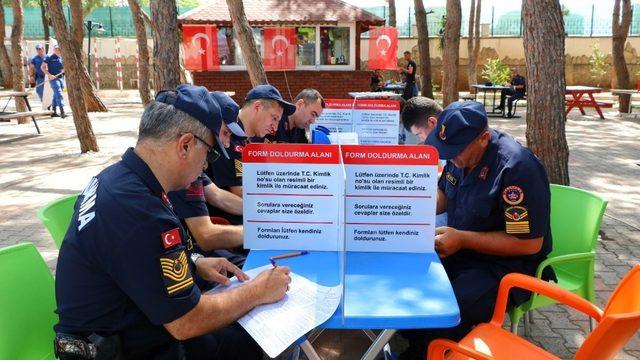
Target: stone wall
511	51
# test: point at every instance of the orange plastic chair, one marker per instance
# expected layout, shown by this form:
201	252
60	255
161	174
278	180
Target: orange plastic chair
617	324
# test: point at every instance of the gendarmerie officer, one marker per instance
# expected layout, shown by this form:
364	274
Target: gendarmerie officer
497	199
259	116
292	129
52	67
125	280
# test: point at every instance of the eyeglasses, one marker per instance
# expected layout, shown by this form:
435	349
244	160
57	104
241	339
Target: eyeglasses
212	153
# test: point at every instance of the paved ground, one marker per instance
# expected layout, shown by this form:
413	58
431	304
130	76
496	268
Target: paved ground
605	159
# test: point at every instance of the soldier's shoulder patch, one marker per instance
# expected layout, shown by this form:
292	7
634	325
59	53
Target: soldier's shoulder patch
516	213
517	220
175	271
513	195
238	166
452	179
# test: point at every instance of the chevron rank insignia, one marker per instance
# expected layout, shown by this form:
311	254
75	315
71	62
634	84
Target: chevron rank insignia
517	220
175	271
238	166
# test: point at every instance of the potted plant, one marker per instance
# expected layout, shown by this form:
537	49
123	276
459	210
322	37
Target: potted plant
496	72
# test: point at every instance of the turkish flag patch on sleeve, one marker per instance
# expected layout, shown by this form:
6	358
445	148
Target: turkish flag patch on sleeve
171	238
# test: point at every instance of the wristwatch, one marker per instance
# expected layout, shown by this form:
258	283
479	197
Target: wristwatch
195	257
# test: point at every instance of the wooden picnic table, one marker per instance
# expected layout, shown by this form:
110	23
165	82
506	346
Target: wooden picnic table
577	93
6	116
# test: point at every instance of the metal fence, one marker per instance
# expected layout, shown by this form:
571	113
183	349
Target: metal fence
117	21
590	20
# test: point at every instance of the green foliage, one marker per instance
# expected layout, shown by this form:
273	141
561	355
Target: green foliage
597	63
496	71
443	24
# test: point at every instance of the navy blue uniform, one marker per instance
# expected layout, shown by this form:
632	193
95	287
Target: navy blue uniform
513	94
507	191
54	66
123	268
286	135
37	61
190	203
227	173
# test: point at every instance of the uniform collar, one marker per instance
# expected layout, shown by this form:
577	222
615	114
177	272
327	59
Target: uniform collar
131	160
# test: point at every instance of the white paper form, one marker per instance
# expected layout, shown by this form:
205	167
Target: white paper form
276	326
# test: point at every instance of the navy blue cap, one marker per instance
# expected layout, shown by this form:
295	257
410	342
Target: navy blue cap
229	110
39	46
270	92
458	125
195	101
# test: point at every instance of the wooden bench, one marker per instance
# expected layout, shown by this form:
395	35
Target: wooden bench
31	114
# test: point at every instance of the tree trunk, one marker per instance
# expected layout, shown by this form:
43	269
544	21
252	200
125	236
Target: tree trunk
45	25
620	29
77	24
74	72
423	49
544	55
473	42
166	51
17	63
392	13
451	52
5	60
143	51
92	101
250	55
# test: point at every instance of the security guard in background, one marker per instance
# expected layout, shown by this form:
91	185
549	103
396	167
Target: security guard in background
52	67
125	279
497	198
292	129
259	116
35	70
517	89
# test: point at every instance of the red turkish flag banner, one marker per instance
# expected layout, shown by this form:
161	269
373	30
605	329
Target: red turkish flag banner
279	48
200	43
383	48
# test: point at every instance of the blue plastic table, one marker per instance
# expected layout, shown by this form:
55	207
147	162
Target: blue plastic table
385	291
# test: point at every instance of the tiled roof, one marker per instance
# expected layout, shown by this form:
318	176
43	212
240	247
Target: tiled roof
265	12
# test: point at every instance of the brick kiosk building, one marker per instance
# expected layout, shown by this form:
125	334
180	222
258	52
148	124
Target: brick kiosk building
327	49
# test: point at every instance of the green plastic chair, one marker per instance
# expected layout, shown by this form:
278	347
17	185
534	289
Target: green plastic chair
575	223
56	217
27	304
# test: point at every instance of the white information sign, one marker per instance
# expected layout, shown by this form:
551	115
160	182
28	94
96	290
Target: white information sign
376	121
296	197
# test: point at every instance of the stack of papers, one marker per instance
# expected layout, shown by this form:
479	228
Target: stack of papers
276	326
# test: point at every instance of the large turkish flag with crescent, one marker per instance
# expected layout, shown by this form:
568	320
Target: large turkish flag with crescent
383	48
200	44
279	48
